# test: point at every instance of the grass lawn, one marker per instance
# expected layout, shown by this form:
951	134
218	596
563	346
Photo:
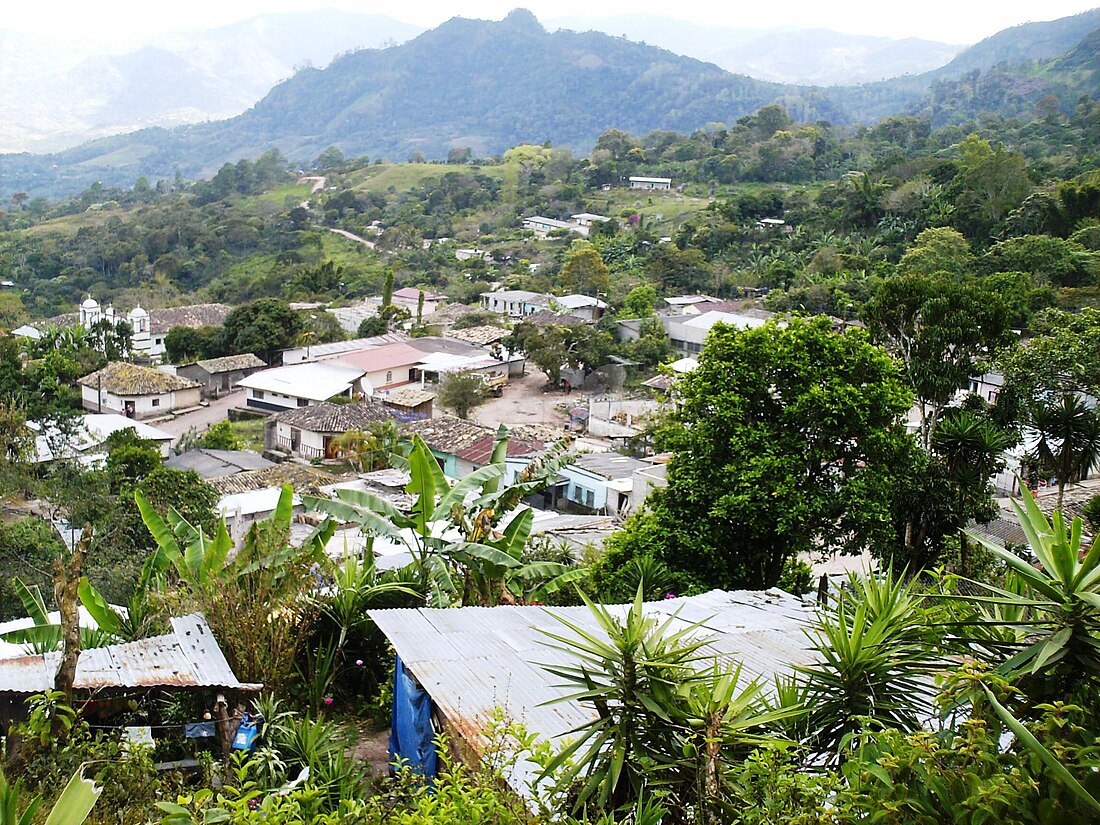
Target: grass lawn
404	176
299	191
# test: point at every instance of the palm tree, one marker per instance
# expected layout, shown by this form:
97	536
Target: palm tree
971	447
1068	439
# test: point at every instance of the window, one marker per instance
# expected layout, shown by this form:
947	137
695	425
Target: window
589	498
156	402
389	376
973	385
258	394
303	402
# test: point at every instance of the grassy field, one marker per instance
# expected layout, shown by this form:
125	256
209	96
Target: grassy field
70	224
403	176
251	433
299	191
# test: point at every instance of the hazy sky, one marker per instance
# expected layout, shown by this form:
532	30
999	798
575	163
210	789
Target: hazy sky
951	21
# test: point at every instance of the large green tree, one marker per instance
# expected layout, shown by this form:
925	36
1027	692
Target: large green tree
785	442
584	270
262	327
942	331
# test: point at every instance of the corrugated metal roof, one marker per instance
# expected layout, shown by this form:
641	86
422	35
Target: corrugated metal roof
475	660
188	657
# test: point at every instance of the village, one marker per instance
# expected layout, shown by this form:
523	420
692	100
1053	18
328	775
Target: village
532	488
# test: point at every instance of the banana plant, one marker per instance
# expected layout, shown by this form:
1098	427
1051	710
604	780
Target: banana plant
71	808
200	560
44	636
451	531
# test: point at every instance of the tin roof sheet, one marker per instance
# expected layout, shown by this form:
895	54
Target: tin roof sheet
474	661
188	657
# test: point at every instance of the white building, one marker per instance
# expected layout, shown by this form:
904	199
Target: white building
301	385
581	306
137	392
86	441
409	298
515	303
149	328
588	218
310	432
650	183
542	226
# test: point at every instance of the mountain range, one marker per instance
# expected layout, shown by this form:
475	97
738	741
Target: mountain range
59	93
490	85
783	54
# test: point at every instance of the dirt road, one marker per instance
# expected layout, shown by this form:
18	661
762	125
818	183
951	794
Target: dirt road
203	417
524	402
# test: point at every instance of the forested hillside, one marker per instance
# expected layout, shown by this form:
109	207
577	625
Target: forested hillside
896	311
487	86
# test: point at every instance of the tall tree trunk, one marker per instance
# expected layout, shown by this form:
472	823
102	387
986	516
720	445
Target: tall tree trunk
66	579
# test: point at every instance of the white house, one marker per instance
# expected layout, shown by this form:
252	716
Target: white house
650	183
392	365
515	303
542	226
301	385
409	298
309	432
471	254
588	218
137	392
581	306
94	429
600	482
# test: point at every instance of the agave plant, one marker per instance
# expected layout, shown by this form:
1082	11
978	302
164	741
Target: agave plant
1054	607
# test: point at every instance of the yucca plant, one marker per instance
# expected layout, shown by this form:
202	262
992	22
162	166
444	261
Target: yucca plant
665	721
873	665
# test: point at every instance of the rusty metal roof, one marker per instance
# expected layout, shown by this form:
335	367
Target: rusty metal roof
474	661
188	657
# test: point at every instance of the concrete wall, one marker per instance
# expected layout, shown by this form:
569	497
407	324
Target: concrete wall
310	444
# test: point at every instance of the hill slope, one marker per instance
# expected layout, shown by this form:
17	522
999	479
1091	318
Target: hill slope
782	54
490	85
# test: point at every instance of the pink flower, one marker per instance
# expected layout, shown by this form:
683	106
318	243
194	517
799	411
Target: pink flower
670	595
328	700
358	662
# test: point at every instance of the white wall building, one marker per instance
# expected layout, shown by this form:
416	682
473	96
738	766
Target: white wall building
137	392
650	183
301	385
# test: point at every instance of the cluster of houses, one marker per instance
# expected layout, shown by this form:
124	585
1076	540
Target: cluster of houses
580	224
688	318
521	304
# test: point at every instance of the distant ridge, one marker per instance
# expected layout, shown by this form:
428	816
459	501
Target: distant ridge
491	85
